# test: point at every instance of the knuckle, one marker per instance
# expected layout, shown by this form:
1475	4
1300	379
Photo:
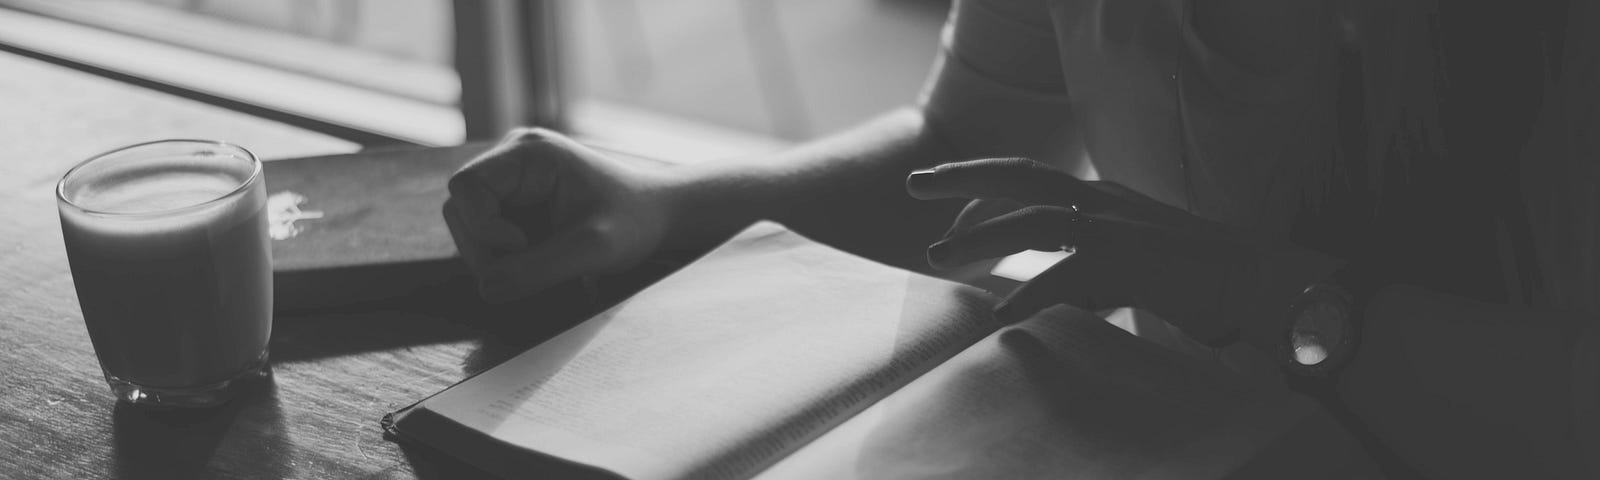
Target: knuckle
1017	164
545	147
524	134
539	136
598	235
528	147
1025	162
472	169
461	180
1033	211
974	167
528	143
1034	214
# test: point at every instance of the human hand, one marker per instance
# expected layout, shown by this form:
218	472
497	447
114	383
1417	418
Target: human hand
539	209
1131	250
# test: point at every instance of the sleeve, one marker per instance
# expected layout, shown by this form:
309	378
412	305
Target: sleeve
998	88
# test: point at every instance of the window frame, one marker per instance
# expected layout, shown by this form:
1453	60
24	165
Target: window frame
507	56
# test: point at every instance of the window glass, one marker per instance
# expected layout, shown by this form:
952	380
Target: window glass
396	54
780	71
789	70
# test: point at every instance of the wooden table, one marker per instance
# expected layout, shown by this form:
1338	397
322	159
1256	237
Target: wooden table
336	373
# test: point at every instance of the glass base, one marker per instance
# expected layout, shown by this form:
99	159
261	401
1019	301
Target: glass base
200	396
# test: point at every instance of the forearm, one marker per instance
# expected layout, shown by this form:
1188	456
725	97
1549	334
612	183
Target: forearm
846	190
1455	386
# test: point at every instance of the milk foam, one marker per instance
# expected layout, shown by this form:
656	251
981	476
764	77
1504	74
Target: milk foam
153	190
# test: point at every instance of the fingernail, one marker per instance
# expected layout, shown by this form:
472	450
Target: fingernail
919	178
939	253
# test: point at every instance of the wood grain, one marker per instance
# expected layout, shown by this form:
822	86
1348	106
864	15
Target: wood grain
336	372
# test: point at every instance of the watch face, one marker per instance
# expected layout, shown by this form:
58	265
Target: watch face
1316	331
1320	335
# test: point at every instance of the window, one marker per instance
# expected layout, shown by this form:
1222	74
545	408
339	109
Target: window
377	71
687	79
783	71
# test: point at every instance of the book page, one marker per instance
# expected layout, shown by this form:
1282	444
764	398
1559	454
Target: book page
726	366
1067	395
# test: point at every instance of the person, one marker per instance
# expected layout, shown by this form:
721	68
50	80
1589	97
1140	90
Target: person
1207	161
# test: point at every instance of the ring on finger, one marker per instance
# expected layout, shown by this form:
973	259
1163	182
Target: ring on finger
1077	217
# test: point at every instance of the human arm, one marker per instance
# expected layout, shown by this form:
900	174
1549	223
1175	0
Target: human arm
570	211
1453	387
540	209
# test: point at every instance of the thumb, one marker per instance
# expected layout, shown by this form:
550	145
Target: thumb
1082	280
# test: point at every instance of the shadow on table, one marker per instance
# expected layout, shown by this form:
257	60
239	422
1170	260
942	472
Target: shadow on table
503	331
416	319
451	310
513	328
430	464
447	312
521	325
152	443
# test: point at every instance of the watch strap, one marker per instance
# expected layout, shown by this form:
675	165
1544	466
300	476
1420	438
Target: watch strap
1361	282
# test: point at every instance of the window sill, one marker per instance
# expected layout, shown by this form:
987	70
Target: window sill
360	114
435	84
366	115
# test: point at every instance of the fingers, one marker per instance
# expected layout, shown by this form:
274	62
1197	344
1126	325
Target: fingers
977	211
481	221
1045	228
567	254
517	171
1086	281
492	194
505	171
475	254
1017	179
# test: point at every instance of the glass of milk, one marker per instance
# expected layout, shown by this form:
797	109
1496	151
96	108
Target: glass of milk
169	252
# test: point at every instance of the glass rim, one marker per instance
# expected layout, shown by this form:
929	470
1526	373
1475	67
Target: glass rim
255	173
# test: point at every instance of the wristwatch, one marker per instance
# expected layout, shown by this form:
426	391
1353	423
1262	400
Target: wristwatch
1324	324
1322	334
1323	330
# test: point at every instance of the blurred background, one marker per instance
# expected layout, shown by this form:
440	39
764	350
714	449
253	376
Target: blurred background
685	78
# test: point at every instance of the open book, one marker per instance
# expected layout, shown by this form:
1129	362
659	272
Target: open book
777	357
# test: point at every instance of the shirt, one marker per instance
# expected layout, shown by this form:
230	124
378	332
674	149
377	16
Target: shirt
1140	92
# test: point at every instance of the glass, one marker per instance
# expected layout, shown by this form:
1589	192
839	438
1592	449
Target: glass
397	47
348	68
168	247
782	70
